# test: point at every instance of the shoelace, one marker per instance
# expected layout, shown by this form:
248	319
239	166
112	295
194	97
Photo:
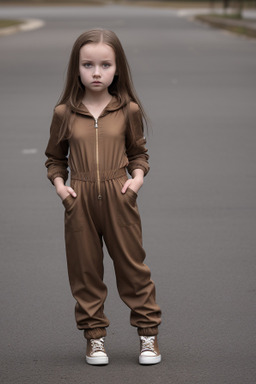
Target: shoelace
147	344
97	345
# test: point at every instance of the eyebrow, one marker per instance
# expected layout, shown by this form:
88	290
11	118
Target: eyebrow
104	60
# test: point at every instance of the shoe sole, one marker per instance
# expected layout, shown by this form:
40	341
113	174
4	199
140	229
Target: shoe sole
146	360
101	360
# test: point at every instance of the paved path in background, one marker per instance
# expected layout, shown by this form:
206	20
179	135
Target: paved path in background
198	203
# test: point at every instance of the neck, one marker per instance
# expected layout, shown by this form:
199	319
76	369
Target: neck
96	97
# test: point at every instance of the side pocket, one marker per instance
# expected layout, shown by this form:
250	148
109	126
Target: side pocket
68	202
131	195
128	210
73	214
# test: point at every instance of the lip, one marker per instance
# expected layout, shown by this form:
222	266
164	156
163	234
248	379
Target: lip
96	82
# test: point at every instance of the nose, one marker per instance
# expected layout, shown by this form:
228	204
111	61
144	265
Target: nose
96	72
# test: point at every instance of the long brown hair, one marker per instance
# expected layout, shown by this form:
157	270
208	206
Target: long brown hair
122	86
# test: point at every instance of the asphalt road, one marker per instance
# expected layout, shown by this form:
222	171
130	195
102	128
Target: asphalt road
198	204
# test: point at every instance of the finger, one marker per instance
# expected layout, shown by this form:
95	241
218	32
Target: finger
72	192
126	185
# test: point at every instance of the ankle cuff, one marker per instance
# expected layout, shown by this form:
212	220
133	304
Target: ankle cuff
148	331
95	333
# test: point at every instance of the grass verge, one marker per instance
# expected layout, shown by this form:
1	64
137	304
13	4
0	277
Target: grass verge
51	2
151	3
9	23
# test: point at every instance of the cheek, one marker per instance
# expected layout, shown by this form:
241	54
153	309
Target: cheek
80	72
112	75
83	74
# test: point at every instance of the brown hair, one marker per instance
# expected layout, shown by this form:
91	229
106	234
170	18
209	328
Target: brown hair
122	86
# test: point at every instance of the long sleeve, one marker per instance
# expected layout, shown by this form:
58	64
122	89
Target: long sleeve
135	144
57	152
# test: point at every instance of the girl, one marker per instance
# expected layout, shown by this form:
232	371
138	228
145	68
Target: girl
97	131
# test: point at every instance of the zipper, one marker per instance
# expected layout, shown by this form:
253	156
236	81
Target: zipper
97	157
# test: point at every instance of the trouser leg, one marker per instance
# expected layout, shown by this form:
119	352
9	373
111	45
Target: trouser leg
133	278
85	266
123	237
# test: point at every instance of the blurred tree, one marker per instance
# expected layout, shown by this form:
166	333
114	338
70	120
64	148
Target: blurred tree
240	8
226	4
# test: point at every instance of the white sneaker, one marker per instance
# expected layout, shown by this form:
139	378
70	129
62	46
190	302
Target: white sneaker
149	351
95	353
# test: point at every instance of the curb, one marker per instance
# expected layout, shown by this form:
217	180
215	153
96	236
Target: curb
26	25
239	27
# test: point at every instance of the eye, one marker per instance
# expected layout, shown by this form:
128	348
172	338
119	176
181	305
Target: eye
106	65
87	65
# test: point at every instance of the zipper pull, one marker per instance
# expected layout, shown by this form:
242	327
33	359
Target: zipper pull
96	123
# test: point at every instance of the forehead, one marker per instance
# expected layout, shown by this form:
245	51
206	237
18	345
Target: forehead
100	51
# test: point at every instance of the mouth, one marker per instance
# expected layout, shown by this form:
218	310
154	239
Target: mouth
96	82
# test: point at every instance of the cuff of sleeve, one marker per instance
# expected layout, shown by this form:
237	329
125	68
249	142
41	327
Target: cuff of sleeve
145	169
58	174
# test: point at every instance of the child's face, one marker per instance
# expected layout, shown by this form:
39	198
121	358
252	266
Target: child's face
97	66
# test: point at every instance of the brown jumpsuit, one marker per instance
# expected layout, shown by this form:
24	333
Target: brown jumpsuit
98	154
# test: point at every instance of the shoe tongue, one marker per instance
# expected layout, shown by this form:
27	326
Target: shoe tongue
147	343
148	338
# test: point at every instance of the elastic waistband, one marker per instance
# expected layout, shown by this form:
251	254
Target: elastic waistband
104	175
